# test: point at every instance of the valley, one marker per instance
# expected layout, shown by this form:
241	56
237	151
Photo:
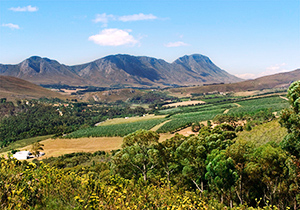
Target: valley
101	134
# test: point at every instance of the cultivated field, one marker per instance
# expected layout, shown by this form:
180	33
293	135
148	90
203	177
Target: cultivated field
129	120
108	135
57	147
184	103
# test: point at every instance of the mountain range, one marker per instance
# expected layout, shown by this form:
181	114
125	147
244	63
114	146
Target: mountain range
121	71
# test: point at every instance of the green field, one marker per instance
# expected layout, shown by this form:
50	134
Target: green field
254	105
179	121
24	142
115	129
264	133
182	117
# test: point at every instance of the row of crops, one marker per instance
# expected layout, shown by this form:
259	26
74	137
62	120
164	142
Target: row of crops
115	130
187	117
181	117
254	105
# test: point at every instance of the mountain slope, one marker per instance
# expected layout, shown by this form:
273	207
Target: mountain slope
121	70
280	80
42	71
14	88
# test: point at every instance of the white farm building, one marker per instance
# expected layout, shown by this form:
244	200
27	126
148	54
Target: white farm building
22	155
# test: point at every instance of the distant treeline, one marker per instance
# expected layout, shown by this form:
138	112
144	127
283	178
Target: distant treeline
93	88
33	118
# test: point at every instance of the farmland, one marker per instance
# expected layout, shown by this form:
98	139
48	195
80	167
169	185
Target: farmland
115	129
184	103
181	117
125	120
192	133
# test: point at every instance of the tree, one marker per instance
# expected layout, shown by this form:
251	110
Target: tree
169	159
140	152
36	148
2	100
221	174
290	119
196	126
192	155
267	168
239	152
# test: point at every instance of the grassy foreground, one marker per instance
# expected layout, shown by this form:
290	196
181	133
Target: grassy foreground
264	133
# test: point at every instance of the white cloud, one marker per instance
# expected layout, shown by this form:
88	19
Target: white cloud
24	9
10	25
105	18
137	17
274	69
176	44
246	76
113	37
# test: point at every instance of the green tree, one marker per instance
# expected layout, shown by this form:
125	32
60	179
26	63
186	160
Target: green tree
290	119
169	159
267	168
140	152
239	152
2	100
192	155
36	148
196	126
221	174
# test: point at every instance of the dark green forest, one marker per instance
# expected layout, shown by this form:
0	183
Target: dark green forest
32	118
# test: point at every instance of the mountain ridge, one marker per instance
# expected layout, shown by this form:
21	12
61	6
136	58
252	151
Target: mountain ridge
279	80
121	69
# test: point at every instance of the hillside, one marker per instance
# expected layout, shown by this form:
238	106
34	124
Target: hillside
14	88
281	80
121	71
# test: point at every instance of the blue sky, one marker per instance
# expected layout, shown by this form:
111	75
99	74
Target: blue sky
246	38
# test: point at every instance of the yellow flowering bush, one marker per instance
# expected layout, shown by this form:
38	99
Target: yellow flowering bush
25	185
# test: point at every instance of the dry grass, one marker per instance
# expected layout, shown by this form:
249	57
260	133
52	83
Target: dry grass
57	147
187	131
238	105
285	98
159	125
184	103
246	93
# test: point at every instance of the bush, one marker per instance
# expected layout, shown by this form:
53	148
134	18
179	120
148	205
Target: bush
239	128
248	127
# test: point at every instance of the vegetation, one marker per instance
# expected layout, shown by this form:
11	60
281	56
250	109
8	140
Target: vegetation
210	170
24	142
36	148
274	102
115	130
154	98
29	186
240	159
290	119
31	118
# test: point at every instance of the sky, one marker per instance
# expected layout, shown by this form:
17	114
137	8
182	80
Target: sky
247	38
